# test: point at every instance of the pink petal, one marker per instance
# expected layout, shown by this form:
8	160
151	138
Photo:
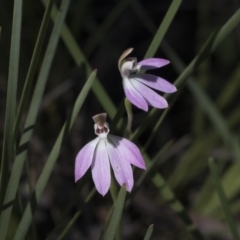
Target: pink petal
133	96
121	167
101	168
155	82
152	63
84	158
129	151
151	97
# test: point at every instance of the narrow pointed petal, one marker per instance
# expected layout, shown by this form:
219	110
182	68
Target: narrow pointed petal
84	158
101	168
155	82
151	97
133	96
121	167
129	151
152	63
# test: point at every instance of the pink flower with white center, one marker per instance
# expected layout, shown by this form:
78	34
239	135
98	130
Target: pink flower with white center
136	85
104	150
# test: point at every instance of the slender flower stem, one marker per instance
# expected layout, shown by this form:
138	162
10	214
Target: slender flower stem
128	107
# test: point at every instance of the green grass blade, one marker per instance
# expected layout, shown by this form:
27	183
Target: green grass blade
230	185
158	123
149	232
102	30
227	29
210	46
33	64
230	90
74	218
30	122
222	198
8	143
69	207
47	170
80	59
151	165
170	198
116	216
217	120
163	28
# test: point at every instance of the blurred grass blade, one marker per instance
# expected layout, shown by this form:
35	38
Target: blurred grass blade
33	64
227	29
116	216
151	165
230	184
152	49
74	218
30	122
207	105
170	198
79	59
47	170
149	232
74	198
8	143
203	100
212	112
222	198
163	28
230	90
210	45
102	30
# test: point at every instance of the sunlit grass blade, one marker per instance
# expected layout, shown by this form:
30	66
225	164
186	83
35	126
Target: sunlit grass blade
30	121
47	170
8	143
222	198
149	232
79	58
116	215
163	28
32	68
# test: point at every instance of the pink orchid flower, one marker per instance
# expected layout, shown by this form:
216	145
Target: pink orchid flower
106	150
136	85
